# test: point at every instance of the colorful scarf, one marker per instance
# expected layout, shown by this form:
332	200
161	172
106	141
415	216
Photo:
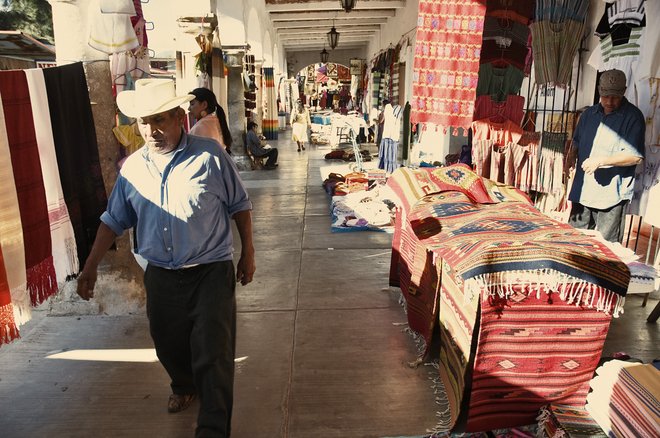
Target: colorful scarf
8	329
11	232
77	152
269	123
65	257
41	279
446	66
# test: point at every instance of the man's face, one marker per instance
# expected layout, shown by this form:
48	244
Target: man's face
162	131
611	103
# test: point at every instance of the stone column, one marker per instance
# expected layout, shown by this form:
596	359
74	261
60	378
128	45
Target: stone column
119	288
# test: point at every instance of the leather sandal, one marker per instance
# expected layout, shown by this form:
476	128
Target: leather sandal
179	402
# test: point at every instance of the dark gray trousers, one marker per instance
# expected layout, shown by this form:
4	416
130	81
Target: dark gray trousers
192	320
609	222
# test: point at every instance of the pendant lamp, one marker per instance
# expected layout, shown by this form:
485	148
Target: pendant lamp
347	5
324	56
333	36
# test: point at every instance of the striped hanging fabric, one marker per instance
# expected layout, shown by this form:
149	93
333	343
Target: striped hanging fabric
11	232
446	65
41	278
270	123
65	257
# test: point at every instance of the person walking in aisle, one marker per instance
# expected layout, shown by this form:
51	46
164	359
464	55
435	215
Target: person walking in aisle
180	192
255	148
300	121
210	117
608	143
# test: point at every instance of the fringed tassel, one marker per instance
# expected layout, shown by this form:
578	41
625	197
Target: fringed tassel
443	414
42	281
573	291
8	327
72	255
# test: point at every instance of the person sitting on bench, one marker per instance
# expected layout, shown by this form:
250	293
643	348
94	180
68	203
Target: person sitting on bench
254	147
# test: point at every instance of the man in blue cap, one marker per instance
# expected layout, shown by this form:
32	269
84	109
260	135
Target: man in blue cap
608	143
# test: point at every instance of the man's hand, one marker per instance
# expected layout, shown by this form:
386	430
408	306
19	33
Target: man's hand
245	268
591	164
86	282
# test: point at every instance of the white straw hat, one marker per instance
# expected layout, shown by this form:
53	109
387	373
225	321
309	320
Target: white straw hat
151	96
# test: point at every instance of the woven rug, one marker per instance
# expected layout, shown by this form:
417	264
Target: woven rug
41	279
446	66
481	270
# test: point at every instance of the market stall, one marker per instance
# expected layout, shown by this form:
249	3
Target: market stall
519	303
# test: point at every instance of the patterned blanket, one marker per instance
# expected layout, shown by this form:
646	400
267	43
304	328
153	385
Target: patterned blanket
523	302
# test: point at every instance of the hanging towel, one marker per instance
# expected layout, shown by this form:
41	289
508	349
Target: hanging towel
41	280
8	329
11	232
65	257
77	152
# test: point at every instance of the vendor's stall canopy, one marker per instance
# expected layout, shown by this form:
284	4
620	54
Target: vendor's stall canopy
304	24
17	44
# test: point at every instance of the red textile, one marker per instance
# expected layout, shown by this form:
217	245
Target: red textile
8	329
446	67
41	279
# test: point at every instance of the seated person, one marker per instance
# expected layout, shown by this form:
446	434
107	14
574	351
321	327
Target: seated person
255	148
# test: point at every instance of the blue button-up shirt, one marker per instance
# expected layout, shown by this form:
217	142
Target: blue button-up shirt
182	217
602	135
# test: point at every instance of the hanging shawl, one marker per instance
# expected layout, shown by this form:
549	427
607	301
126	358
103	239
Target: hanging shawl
446	67
65	257
41	280
8	329
269	123
11	232
77	152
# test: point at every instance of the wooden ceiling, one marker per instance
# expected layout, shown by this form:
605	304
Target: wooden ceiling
304	24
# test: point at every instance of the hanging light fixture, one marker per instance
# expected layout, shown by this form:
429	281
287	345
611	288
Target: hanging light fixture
333	37
324	56
347	5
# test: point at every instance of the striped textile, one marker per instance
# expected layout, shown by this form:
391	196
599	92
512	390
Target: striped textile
11	231
395	86
41	278
625	400
375	89
446	65
65	257
569	421
270	123
554	46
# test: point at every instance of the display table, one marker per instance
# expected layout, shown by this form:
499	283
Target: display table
522	303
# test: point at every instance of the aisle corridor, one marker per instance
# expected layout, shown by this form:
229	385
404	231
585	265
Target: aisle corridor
322	347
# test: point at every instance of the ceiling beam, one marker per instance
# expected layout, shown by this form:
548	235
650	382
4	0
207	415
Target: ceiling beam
333	5
316	30
315	23
329	15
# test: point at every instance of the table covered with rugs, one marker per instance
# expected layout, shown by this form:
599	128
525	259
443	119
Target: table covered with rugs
519	303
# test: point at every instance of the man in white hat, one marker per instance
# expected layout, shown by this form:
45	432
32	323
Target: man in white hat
179	192
608	143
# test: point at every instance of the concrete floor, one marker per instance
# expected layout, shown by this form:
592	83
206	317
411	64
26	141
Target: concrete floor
321	344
